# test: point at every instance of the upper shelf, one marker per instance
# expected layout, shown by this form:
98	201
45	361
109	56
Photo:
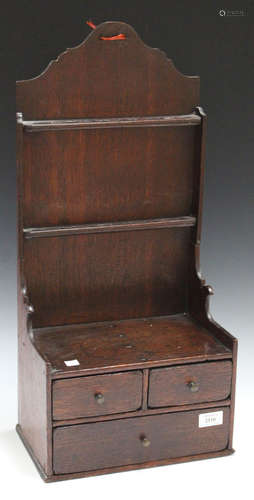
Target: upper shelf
92	123
109	227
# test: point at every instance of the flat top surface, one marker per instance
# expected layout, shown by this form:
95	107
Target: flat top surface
118	344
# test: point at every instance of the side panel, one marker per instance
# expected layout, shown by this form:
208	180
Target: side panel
34	394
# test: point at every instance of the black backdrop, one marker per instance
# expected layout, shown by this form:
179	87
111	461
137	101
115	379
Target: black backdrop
201	42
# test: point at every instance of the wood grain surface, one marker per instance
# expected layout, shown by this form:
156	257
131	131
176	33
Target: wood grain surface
124	343
107	444
89	176
76	397
171	386
102	79
110	168
107	276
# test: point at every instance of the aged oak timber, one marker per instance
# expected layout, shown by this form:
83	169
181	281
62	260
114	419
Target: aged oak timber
120	364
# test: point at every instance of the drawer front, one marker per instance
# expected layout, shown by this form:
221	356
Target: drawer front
186	384
114	443
97	395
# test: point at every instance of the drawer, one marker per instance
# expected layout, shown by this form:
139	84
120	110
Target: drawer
186	384
114	443
97	395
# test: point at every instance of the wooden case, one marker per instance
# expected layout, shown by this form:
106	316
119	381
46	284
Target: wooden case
120	364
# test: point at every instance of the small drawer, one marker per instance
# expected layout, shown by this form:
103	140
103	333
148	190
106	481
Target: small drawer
97	395
187	384
85	447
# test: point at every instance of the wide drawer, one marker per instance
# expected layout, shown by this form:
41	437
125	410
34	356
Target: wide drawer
193	383
138	440
97	395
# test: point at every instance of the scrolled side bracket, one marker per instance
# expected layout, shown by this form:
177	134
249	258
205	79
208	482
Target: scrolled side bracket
28	310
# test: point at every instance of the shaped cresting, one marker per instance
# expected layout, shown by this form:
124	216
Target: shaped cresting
117	78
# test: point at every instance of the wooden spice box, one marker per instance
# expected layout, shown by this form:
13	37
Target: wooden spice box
120	364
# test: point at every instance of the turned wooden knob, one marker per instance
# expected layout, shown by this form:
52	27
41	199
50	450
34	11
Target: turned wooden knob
99	398
193	386
145	441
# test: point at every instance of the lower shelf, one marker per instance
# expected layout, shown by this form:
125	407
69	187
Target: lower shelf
118	344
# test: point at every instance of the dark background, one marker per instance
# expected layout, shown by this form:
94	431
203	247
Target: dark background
201	42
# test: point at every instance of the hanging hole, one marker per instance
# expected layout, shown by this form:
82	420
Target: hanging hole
121	36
